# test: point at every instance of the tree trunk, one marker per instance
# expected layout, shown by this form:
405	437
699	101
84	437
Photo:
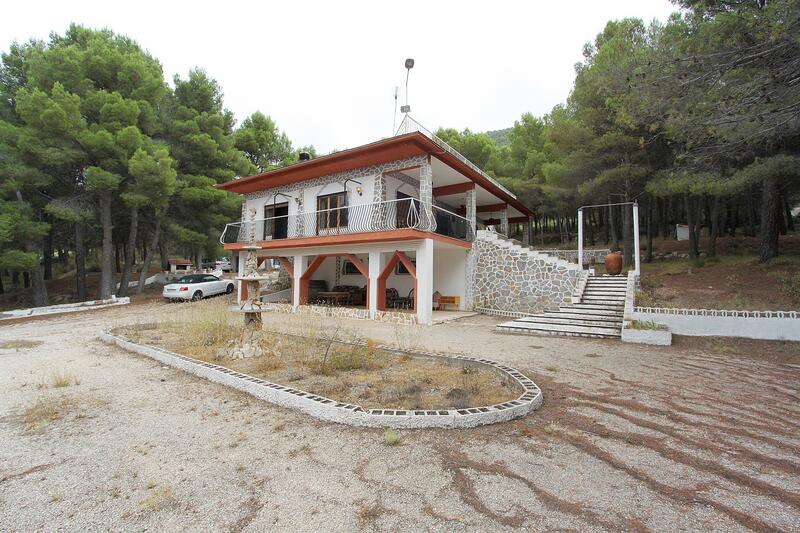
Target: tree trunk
692	223
714	225
107	272
26	280
47	252
779	215
117	267
163	250
36	279
751	216
769	219
788	211
613	226
627	234
148	257
2	289
648	258
80	263
15	280
130	250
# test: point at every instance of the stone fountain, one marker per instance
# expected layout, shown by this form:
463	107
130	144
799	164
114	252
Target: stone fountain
251	307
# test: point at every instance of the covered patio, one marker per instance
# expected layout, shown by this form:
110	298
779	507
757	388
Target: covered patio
388	277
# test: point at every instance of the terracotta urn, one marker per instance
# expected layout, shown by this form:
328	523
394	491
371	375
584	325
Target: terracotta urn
613	263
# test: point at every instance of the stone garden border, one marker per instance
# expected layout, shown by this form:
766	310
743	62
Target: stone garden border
354	415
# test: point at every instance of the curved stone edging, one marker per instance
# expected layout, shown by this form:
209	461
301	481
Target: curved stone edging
353	415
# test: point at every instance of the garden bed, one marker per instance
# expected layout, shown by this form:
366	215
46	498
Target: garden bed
336	364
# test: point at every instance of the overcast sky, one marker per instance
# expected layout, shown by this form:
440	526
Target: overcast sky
326	70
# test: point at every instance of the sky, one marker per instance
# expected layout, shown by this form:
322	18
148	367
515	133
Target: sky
326	71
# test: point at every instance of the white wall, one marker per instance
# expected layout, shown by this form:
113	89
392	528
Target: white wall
706	325
449	274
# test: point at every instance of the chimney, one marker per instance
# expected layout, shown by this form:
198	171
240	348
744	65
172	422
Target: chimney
305	156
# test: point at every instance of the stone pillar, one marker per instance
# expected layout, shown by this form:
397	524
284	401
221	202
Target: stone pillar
427	220
299	225
469	269
379	209
300	265
504	221
240	284
424	292
376	264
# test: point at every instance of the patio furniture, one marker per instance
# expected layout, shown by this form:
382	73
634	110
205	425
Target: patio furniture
355	294
449	300
392	297
334	297
406	302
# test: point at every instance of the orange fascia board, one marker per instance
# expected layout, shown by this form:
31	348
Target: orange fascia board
353	238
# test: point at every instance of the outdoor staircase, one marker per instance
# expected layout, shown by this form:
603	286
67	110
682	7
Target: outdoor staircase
598	313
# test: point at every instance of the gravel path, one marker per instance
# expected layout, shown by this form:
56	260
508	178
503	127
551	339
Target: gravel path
703	435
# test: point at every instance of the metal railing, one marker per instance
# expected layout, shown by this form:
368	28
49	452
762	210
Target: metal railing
360	218
409	125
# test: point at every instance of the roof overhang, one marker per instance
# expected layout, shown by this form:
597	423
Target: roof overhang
383	151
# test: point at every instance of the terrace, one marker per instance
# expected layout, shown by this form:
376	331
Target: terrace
385	216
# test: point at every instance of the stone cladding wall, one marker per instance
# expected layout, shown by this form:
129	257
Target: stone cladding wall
519	280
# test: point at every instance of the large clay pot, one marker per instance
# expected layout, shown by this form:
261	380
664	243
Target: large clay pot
613	263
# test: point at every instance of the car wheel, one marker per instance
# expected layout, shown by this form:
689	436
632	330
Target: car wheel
198	295
229	289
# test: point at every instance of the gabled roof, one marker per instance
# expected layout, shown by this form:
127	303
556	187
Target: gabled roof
391	149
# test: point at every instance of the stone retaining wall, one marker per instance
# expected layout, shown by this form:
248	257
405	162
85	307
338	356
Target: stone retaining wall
354	415
518	279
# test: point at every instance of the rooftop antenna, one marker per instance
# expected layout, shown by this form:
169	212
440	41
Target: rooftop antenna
409	65
394	116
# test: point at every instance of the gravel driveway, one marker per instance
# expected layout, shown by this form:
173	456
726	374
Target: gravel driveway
703	435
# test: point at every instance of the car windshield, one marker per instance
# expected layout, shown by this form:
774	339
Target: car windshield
197	278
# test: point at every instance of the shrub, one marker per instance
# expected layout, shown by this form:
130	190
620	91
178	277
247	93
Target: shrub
391	437
41	413
644	324
791	285
58	380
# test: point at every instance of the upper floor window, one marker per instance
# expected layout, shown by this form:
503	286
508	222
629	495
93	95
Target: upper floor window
332	211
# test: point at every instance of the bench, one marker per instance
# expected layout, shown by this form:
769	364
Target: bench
449	300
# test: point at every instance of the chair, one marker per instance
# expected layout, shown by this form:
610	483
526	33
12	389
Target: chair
436	297
392	297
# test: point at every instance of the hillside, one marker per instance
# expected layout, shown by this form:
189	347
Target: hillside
500	137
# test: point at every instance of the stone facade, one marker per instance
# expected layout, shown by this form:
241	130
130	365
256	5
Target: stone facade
516	279
359	313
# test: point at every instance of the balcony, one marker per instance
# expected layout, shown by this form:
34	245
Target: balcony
405	213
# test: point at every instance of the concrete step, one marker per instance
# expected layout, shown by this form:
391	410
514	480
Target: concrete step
611	312
581	306
535	328
598	290
594	298
556	318
585	317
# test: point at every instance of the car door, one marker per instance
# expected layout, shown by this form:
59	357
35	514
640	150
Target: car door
215	285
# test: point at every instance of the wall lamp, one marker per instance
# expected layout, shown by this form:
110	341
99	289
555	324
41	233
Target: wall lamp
359	189
275	196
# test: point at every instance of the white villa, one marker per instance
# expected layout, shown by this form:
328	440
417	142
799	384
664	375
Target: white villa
391	225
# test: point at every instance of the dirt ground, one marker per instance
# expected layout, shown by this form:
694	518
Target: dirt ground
700	436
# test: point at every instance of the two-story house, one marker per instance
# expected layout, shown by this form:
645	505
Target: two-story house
397	218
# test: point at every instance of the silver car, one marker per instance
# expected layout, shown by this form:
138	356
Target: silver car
196	287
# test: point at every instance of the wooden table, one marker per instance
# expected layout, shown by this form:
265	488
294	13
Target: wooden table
334	297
